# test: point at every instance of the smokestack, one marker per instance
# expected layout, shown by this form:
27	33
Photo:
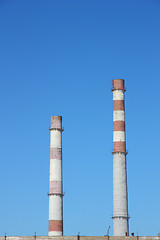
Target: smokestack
56	186
120	196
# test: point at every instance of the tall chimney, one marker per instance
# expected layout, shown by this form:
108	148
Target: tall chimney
56	186
120	196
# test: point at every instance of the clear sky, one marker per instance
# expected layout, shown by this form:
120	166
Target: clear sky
58	57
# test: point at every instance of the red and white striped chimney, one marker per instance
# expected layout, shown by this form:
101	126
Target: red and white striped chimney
120	196
56	184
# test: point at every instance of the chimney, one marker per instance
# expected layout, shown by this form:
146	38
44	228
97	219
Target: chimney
120	197
56	184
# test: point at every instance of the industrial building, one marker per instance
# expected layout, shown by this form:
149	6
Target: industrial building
80	238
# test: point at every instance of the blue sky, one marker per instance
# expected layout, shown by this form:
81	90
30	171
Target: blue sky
59	57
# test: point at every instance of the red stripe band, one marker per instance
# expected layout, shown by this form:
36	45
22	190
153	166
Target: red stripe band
118	105
56	122
55	187
55	225
119	126
56	153
119	146
118	84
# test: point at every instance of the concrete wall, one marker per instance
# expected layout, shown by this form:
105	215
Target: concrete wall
81	238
